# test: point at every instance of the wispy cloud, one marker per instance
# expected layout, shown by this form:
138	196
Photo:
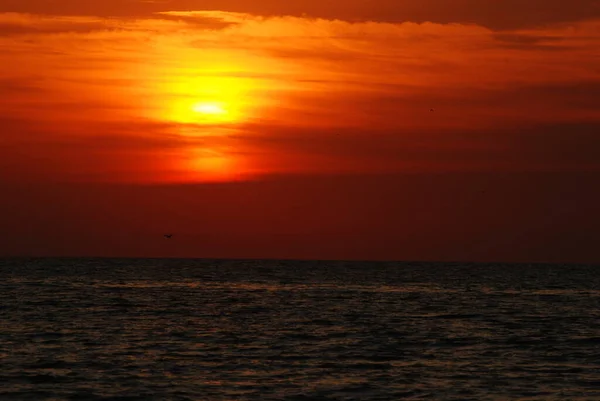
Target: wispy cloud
494	14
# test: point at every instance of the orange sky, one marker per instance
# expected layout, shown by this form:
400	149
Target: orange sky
253	101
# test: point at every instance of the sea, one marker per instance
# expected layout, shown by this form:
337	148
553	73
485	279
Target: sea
185	329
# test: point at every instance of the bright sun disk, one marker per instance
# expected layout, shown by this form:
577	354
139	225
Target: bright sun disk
209	108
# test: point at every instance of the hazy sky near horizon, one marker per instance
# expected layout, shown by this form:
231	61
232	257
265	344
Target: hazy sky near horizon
257	100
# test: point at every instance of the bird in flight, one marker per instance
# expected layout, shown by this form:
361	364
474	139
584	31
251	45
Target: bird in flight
168	236
431	109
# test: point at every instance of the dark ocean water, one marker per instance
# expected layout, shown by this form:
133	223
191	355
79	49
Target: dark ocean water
151	329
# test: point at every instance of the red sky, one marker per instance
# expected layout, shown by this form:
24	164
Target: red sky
301	129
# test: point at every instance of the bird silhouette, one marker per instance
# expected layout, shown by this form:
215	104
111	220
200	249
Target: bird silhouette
168	236
431	110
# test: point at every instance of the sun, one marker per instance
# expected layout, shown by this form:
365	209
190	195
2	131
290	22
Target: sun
210	108
206	100
211	112
186	110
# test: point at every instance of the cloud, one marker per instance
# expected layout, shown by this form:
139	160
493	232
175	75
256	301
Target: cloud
498	15
15	24
11	86
541	147
116	96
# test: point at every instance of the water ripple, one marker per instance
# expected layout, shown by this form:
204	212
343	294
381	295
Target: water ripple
101	329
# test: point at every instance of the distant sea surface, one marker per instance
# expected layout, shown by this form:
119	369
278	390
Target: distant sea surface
177	329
